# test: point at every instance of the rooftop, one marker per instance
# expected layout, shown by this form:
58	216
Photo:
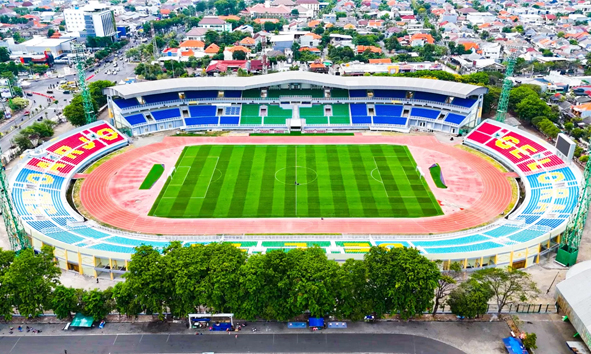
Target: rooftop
245	83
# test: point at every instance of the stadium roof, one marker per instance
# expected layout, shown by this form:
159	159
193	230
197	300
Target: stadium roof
346	82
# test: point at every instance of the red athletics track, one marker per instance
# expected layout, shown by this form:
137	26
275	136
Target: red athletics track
478	192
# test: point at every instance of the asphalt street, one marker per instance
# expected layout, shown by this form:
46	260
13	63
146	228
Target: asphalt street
41	86
221	343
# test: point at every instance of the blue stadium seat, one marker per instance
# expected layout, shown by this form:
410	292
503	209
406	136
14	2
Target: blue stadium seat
65	237
466	248
232	111
452	242
389	94
233	93
166	114
201	94
424	113
359	114
135	119
388	110
429	97
162	97
389	120
464	102
202	111
229	120
201	121
357	93
133	242
126	103
92	233
455	118
526	235
112	248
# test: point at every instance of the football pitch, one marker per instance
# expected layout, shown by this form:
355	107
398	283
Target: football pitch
256	181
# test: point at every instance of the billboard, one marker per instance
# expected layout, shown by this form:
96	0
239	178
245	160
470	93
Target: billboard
565	146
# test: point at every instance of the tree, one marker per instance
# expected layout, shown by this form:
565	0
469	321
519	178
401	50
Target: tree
401	280
532	106
50	32
568	126
74	112
530	341
17	103
295	12
6	259
353	301
507	285
97	304
31	279
470	299
491	99
4	54
96	91
519	93
446	283
64	301
238	55
125	301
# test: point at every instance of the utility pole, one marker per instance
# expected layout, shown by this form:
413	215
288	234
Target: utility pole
89	112
19	240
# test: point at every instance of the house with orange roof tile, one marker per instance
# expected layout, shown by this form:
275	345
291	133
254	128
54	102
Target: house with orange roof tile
371	48
313	50
229	51
261	21
349	26
419	39
213	49
470	46
380	61
230	17
248	42
375	24
313	23
310	40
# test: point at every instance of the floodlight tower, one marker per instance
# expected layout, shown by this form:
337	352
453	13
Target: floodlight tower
89	112
507	85
17	237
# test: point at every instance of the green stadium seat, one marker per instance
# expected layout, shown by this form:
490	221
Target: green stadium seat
339	93
255	93
314	114
315	93
340	114
277	115
250	114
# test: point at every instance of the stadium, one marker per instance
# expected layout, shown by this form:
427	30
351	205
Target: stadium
362	170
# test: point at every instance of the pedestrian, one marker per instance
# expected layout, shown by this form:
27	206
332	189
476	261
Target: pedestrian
20	328
236	336
97	280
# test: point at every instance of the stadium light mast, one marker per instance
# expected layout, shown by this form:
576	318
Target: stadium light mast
89	112
571	238
17	236
507	85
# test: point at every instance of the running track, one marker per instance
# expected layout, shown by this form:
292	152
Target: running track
477	194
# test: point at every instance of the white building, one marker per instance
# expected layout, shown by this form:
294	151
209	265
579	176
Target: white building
93	20
478	18
491	50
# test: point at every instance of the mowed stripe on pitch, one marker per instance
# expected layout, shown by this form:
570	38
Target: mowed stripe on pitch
212	181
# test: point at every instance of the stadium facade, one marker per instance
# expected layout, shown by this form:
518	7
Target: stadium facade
295	101
40	183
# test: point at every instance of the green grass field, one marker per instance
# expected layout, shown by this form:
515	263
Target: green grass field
153	176
238	181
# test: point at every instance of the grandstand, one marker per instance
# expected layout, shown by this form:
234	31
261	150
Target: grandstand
40	182
279	100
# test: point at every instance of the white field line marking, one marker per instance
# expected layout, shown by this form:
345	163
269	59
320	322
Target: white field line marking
210	177
379	173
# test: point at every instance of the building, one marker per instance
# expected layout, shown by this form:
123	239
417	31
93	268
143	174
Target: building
93	20
40	46
214	23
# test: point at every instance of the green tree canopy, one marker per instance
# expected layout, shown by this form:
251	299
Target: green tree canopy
507	285
470	299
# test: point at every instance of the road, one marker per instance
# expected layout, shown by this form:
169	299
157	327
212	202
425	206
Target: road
221	343
12	126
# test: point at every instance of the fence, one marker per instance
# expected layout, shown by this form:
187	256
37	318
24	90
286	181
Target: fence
514	308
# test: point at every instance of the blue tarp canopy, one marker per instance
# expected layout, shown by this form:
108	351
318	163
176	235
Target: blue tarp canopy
316	322
82	321
514	346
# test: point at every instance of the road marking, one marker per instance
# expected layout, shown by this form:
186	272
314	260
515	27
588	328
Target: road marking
141	338
115	339
167	338
19	338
